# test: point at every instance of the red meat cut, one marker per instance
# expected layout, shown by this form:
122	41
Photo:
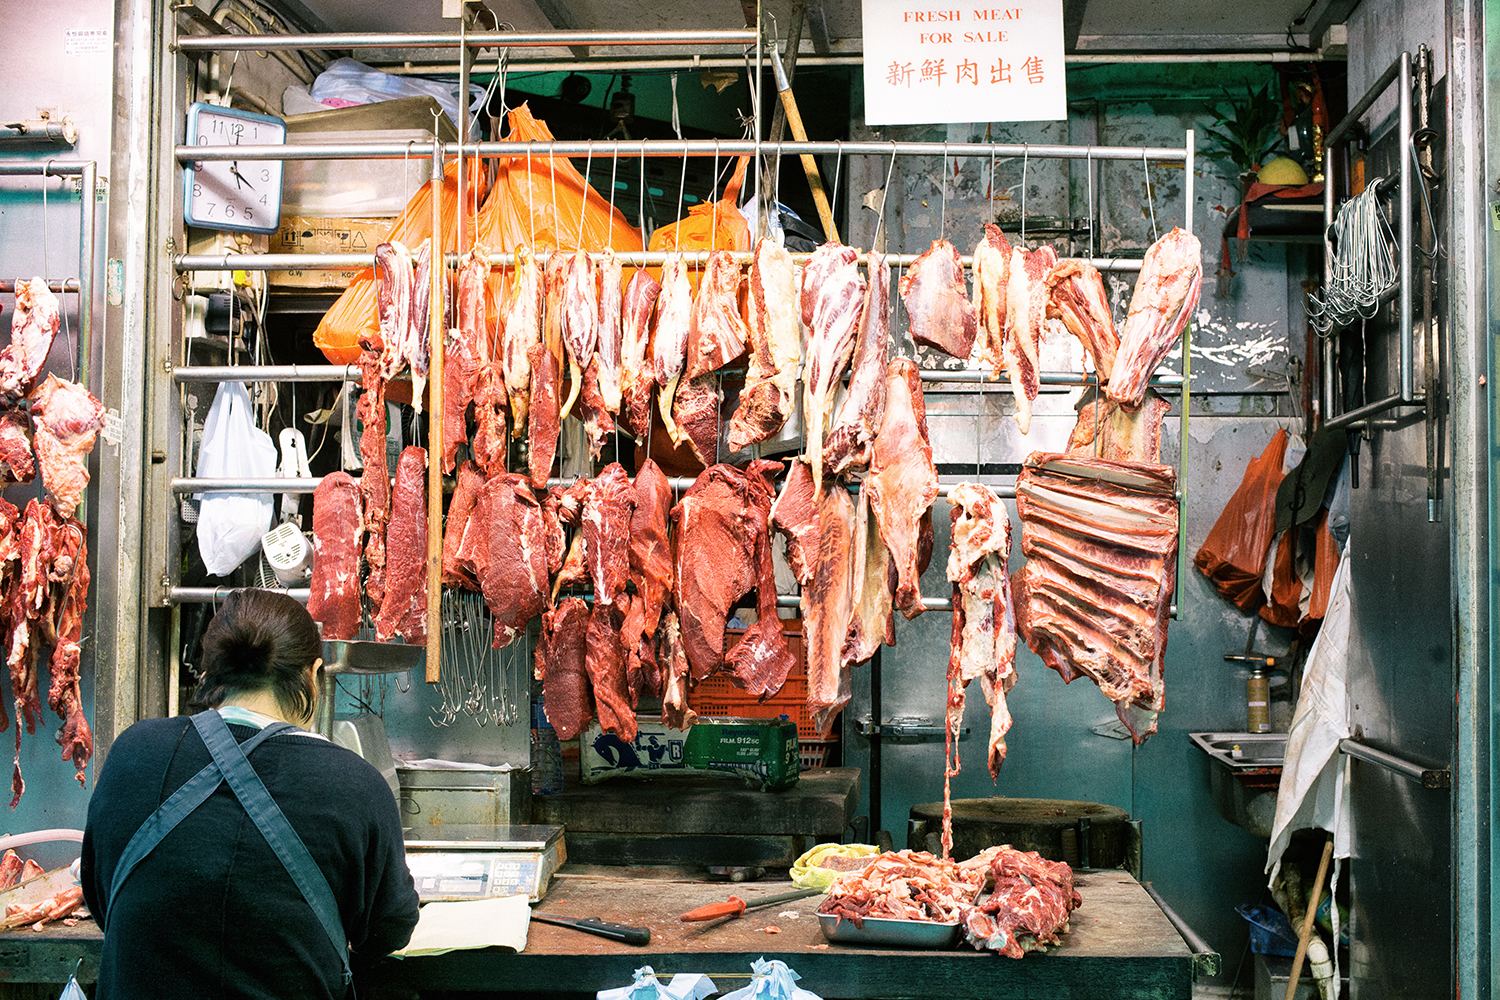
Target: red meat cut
404	610
333	598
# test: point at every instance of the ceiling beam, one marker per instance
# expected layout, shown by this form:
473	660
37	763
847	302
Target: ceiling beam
1335	12
817	27
560	17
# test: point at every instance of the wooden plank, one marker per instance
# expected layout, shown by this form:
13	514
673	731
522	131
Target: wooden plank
702	851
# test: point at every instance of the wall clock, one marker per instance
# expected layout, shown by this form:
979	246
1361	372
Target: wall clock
240	195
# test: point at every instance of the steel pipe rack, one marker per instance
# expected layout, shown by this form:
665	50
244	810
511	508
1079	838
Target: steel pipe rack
1427	777
479	40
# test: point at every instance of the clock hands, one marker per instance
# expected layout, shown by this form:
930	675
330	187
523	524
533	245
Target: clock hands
239	178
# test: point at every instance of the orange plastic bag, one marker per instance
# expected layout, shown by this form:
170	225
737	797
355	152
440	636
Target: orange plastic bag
1325	562
353	314
715	225
1282	585
1233	556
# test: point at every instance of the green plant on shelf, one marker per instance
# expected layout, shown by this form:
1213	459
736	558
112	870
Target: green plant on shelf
1245	132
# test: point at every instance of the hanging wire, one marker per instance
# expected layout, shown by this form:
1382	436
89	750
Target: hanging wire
884	192
838	167
1150	198
992	216
530	208
713	194
556	221
1025	165
640	219
588	167
1088	166
943	213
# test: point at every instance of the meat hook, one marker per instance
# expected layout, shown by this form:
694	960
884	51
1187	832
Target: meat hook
588	167
1150	198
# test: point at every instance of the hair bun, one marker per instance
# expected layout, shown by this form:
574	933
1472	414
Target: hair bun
246	653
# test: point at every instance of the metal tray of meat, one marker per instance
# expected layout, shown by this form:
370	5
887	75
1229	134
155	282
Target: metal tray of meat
358	656
890	933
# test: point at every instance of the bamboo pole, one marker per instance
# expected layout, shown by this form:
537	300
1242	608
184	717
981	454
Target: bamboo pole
435	424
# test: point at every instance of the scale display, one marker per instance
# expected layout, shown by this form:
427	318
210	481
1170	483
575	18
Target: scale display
454	862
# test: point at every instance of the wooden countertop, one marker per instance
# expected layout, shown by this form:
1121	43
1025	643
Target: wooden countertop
1120	945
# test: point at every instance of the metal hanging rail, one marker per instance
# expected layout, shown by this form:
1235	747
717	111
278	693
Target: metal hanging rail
1427	777
481	40
8	285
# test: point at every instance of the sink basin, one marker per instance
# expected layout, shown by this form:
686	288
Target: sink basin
1244	771
1243	751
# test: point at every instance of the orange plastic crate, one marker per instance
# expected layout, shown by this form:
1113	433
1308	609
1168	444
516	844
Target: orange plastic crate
719	696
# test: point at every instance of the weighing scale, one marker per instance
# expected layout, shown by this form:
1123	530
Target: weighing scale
453	861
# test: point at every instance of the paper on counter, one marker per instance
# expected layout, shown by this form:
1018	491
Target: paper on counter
471	923
684	986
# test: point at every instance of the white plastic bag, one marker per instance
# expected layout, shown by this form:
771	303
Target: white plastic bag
230	524
348	82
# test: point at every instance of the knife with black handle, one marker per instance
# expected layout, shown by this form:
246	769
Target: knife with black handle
603	928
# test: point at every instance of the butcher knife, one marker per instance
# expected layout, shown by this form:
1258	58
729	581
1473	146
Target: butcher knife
603	928
734	905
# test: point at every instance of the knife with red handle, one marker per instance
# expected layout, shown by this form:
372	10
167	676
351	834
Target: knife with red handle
734	905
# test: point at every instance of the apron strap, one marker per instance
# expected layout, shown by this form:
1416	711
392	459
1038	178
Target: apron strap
273	825
193	793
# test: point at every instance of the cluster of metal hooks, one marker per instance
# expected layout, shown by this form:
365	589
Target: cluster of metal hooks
476	680
1364	264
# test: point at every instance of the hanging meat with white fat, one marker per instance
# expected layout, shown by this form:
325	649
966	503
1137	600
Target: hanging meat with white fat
374	481
716	336
567	696
580	321
903	481
505	547
768	397
991	292
1025	318
463	347
1100	540
1166	294
637	377
17	463
62	625
669	338
761	660
847	446
1105	429
872	622
1075	295
827	606
523	330
546	362
404	610
832	303
33	327
608	508
593	411
984	621
65	420
333	592
418	348
675	711
651	573
795	515
937	301
611	331
394	287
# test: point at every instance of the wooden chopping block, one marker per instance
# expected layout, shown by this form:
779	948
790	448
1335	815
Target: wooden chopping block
1050	827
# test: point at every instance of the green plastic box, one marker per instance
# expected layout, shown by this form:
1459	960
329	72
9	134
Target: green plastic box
762	751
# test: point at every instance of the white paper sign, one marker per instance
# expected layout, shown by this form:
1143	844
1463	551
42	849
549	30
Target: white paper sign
935	61
86	42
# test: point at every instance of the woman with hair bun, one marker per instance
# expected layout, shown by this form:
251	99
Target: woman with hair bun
179	865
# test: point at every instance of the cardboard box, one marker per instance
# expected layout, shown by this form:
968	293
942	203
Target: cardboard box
764	752
301	234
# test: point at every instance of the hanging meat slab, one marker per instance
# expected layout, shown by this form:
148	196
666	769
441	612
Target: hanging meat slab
695	411
506	543
68	588
716	333
768	397
872	622
984	621
833	301
455	573
580	321
394	287
605	662
608	508
611	330
1105	429
65	420
338	529
17	463
719	524
827	607
546	361
903	481
795	515
1076	296
567	696
374	481
669	338
675	711
1025	316
463	348
637	377
418	347
991	292
650	556
847	446
404	610
1093	599
33	327
761	660
523	331
937	301
593	411
1165	297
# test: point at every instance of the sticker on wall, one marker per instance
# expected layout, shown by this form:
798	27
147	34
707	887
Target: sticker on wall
931	62
86	42
114	281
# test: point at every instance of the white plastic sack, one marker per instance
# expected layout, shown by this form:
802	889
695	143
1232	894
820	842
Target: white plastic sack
348	82
230	524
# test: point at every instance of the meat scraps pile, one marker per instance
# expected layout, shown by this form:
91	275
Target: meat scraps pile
47	427
1007	901
571	333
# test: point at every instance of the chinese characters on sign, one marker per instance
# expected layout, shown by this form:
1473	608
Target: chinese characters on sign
933	62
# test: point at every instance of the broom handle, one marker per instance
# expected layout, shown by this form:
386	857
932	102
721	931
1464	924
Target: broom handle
1307	920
